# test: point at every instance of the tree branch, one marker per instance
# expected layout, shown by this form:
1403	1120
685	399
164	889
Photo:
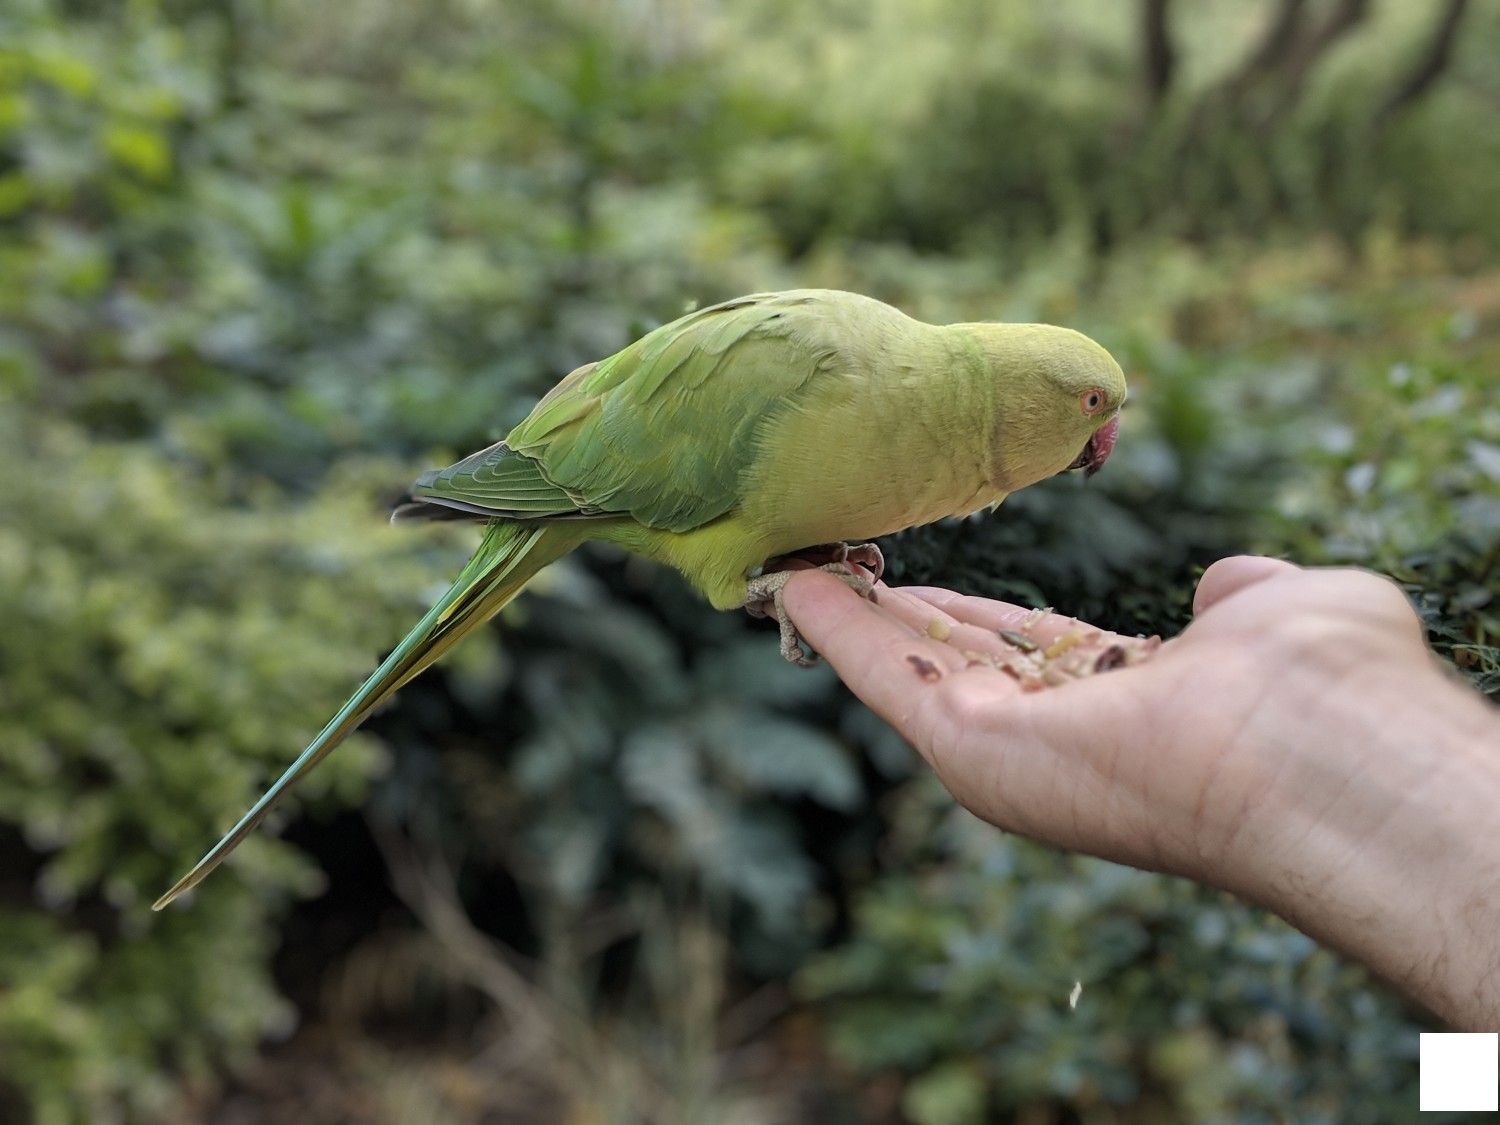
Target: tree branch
1429	67
1280	34
1304	54
1229	94
1158	54
427	888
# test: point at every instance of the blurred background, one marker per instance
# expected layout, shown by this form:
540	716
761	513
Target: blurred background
263	261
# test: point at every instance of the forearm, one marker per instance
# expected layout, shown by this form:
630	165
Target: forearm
1397	863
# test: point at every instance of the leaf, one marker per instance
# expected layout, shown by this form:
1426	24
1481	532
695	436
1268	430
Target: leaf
951	1094
781	756
144	151
756	856
660	768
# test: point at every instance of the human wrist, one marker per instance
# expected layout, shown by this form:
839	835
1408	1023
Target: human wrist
1393	856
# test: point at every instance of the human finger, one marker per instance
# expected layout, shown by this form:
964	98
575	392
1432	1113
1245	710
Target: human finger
1229	576
1043	627
886	663
975	643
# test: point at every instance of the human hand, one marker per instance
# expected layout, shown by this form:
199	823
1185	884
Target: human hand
1297	745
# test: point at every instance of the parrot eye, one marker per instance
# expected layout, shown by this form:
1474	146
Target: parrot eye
1092	401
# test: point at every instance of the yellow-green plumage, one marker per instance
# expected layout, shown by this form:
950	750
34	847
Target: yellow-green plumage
740	432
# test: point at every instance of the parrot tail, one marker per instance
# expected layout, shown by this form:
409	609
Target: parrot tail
509	556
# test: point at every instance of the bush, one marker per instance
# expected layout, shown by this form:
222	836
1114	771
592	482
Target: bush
246	246
163	651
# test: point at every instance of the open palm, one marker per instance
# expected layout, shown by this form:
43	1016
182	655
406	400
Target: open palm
1215	758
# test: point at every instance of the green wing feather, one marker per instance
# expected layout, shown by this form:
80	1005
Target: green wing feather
663	430
494	481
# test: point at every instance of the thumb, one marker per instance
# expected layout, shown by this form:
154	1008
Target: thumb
1229	576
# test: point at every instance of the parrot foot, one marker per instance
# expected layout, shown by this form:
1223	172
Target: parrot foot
867	555
764	598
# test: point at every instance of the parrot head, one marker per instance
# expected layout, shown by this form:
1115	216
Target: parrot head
1057	398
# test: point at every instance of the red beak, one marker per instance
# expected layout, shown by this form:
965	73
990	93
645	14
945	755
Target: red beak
1097	451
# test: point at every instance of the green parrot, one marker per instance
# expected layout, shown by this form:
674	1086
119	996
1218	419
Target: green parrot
768	428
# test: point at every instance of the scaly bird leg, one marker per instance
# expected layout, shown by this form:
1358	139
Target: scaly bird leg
769	588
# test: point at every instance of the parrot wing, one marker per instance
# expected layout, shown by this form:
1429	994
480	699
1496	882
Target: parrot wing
496	481
662	430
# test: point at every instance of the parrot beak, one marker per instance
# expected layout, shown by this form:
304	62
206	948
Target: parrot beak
1097	451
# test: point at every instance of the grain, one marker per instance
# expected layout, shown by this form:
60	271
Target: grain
1018	640
929	671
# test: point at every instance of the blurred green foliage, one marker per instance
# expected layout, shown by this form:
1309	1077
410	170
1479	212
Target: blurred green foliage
974	965
260	262
145	622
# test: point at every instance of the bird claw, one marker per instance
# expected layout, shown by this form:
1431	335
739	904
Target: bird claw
764	597
867	555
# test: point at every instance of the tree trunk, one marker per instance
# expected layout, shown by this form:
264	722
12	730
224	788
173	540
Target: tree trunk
1430	66
1304	54
1158	55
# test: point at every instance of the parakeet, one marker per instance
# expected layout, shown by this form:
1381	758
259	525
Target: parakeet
770	426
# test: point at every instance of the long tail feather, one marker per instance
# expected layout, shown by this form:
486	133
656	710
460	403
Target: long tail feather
506	560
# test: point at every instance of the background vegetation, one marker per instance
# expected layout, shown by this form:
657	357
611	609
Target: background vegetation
262	261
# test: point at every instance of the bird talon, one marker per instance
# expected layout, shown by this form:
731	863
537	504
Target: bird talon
822	556
769	590
867	555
